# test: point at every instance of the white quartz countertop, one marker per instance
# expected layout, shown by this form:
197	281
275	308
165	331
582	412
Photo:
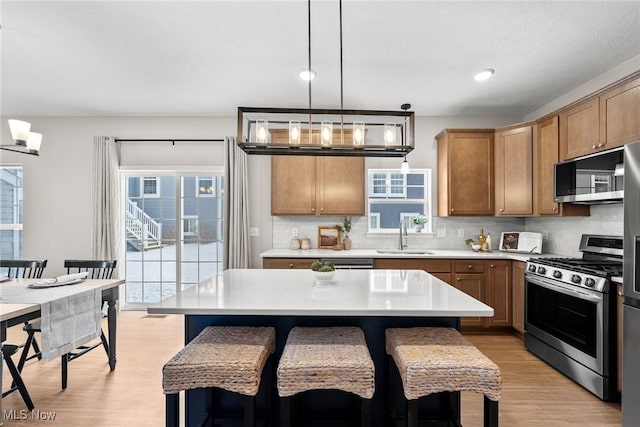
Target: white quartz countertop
294	292
391	253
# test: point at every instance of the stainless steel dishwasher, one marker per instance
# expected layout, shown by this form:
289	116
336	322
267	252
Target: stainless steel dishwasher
351	263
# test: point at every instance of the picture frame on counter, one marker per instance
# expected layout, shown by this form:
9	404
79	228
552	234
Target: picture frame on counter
328	237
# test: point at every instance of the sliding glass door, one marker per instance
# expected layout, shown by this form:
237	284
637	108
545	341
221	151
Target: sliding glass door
173	232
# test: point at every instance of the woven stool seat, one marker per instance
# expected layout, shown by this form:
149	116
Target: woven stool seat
326	358
433	360
225	357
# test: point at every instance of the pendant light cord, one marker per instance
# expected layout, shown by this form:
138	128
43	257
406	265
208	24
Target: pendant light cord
309	67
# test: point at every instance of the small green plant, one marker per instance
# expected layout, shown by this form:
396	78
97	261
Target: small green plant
346	224
322	266
469	242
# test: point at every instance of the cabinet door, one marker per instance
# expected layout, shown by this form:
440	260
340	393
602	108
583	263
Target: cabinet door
293	185
301	263
517	279
547	149
470	164
580	129
445	277
620	115
340	186
474	285
514	172
498	293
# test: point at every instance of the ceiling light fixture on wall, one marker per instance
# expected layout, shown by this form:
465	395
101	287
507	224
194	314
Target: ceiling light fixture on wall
484	74
25	141
325	132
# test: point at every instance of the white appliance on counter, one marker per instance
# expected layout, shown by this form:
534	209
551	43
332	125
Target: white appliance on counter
521	241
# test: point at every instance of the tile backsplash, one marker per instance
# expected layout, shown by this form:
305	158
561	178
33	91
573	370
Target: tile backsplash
561	235
308	227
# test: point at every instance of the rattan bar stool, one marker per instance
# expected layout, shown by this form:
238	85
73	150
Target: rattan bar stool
434	360
225	357
326	358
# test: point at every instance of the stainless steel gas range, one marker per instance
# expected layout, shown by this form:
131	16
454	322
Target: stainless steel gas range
570	314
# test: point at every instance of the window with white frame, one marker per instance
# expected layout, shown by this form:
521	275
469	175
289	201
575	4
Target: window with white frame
387	184
150	186
11	212
394	197
190	226
205	186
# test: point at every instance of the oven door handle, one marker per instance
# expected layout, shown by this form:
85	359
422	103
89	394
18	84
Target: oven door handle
567	291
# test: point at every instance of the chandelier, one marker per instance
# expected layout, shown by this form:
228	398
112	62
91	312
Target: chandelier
326	132
25	141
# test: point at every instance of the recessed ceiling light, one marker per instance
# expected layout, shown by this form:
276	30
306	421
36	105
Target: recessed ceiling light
484	74
307	75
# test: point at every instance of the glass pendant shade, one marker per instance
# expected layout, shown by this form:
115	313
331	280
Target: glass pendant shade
326	133
33	141
295	131
358	133
19	131
262	131
389	134
404	169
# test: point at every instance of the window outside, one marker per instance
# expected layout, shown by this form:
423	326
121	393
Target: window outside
395	197
11	212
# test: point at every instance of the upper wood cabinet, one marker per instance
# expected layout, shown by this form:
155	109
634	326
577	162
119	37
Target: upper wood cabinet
601	122
620	115
310	185
514	171
546	148
465	172
580	129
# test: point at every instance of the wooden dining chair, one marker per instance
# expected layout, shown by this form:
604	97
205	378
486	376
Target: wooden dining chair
97	269
20	269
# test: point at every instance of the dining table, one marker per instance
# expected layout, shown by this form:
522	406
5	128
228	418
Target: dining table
19	304
372	300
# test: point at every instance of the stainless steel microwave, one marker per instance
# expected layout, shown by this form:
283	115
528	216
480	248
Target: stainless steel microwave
596	178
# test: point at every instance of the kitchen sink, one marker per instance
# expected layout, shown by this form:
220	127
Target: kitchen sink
403	252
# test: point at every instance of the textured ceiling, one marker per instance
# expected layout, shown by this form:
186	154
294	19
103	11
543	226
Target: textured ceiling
112	58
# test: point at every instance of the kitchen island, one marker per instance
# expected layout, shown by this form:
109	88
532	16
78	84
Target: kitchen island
370	299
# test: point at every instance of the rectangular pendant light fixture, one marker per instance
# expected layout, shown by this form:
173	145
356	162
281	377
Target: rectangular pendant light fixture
364	133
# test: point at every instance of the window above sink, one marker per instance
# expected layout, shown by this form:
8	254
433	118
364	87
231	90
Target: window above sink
393	197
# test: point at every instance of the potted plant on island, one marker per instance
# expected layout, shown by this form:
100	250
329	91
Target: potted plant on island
323	271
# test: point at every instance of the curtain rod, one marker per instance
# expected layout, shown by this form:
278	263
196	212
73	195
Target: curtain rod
173	141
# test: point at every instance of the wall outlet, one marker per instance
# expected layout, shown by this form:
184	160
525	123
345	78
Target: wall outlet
254	231
294	232
460	232
441	233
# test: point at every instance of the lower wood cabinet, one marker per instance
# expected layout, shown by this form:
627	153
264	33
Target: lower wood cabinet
301	263
517	278
619	339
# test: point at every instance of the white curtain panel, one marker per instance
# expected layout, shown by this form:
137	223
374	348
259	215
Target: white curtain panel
107	234
236	202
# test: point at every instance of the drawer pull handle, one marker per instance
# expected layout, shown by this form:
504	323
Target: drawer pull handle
491	266
313	209
620	293
458	279
469	266
593	147
501	210
290	265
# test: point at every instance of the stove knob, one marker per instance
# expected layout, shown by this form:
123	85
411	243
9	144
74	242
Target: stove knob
542	270
532	268
575	278
557	274
590	282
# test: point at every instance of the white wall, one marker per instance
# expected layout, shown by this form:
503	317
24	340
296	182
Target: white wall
57	184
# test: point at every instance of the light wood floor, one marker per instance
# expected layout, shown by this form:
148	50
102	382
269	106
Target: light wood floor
533	393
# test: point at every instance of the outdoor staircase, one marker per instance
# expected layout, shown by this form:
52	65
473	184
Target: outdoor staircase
143	232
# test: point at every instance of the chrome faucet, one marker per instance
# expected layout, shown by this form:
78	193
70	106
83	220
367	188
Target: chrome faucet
403	235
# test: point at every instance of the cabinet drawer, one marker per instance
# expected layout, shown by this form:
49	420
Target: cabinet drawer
469	266
287	262
428	265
